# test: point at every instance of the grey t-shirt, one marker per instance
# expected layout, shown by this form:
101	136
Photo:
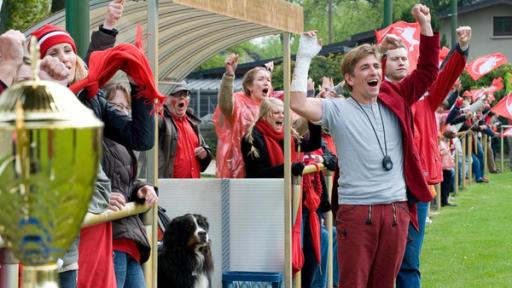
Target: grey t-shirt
363	180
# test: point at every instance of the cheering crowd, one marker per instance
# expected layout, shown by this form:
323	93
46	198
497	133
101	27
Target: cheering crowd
390	142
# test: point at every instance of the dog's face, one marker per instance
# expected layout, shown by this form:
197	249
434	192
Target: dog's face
189	231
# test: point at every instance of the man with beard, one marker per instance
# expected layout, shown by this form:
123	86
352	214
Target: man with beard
183	153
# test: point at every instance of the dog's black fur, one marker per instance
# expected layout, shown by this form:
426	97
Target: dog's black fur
185	259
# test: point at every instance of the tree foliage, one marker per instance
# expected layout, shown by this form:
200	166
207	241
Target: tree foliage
21	14
321	66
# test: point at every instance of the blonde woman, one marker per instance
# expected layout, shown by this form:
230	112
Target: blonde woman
262	146
235	113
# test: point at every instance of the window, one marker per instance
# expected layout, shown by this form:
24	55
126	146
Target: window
503	26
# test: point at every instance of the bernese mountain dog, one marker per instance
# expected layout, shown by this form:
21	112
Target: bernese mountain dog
185	258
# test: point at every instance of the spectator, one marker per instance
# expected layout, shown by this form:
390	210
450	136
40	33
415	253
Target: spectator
95	261
183	153
262	146
11	56
130	244
396	62
371	186
235	113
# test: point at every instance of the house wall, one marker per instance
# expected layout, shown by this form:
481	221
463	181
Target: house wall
481	21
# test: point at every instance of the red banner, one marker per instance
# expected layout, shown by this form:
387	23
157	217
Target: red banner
504	107
485	64
410	35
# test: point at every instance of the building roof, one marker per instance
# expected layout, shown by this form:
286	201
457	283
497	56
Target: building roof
334	48
475	6
191	31
206	85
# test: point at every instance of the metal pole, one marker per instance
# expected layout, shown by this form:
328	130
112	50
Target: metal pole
453	21
287	163
329	21
388	12
77	24
151	218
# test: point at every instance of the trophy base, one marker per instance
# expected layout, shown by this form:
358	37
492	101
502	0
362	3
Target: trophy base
42	276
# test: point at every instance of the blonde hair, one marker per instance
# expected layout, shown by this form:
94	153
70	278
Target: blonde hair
348	64
249	78
266	108
80	70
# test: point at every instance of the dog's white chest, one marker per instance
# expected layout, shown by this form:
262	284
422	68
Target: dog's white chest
201	281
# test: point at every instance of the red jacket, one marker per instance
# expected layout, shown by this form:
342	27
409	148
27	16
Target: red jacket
399	99
425	124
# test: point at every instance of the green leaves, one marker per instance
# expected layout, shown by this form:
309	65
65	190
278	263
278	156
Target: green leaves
21	14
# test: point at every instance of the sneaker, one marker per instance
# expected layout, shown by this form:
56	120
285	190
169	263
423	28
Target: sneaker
449	205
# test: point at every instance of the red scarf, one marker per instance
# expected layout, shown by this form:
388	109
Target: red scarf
273	140
128	58
312	189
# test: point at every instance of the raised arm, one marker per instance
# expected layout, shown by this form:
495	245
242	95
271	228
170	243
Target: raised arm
309	108
105	36
225	97
11	56
452	70
417	83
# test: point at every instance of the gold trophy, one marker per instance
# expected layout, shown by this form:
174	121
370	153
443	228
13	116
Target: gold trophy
50	145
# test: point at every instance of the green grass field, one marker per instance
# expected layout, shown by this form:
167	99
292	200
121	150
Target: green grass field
471	245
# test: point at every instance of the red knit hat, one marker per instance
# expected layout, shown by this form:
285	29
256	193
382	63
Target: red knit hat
50	35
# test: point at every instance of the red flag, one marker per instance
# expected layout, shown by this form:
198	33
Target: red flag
504	107
507	133
442	54
497	84
410	35
485	64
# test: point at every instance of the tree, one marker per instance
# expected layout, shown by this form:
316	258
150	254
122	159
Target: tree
21	14
321	66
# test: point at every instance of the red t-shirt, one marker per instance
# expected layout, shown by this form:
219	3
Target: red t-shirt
127	246
186	164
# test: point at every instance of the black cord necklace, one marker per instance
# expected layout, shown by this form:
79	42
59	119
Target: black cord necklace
387	164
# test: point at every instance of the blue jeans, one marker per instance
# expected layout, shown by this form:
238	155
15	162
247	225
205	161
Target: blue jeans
320	274
477	172
409	275
128	271
68	279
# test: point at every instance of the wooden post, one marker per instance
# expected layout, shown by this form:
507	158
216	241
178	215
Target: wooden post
287	163
438	196
151	217
502	150
464	159
456	173
470	155
485	144
329	225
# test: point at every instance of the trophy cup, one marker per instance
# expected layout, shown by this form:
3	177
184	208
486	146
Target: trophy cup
50	145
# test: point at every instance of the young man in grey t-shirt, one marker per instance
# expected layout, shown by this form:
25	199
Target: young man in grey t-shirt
379	170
